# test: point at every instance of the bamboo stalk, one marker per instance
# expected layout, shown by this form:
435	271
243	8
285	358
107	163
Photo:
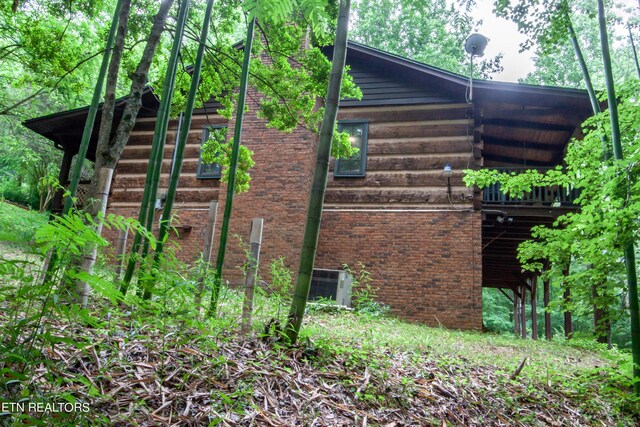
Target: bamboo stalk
91	115
319	184
629	251
235	152
179	150
157	147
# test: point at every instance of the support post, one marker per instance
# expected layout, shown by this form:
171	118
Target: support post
252	272
209	231
534	307
568	327
121	248
548	333
516	311
523	311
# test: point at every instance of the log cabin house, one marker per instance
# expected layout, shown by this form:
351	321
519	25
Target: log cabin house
429	242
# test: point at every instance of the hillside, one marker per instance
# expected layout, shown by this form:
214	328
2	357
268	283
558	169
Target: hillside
130	362
351	369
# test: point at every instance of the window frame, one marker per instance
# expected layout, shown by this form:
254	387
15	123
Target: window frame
363	150
206	131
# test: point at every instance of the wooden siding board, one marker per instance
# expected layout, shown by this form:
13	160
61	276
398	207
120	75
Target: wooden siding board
381	88
186	181
401	114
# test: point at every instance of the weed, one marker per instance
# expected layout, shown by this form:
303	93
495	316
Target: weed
364	295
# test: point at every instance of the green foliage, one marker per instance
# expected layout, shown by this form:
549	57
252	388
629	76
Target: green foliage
281	277
19	193
217	150
19	225
593	237
546	25
496	311
432	32
364	298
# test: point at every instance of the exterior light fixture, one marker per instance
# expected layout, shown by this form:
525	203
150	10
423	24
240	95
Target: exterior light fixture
500	219
448	172
474	46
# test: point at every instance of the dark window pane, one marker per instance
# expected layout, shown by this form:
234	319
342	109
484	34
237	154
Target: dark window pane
211	170
354	165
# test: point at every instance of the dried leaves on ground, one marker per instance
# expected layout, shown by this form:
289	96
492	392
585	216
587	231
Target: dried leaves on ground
132	374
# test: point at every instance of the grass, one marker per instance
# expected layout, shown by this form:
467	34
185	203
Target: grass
18	225
357	364
503	351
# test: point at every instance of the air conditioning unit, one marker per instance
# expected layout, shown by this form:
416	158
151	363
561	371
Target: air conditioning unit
334	285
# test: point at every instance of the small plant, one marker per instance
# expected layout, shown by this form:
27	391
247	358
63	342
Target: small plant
281	281
364	297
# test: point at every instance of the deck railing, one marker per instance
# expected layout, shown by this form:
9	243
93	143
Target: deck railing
539	196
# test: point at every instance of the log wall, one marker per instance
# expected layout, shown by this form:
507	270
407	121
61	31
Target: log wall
408	147
399	220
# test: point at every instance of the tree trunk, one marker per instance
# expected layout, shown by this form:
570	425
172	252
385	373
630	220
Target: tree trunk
319	183
182	141
91	115
160	134
235	152
629	251
84	143
568	321
601	322
139	81
101	181
128	121
89	258
108	107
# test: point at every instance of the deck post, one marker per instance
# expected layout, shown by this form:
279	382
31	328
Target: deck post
534	307
523	311
516	315
548	333
568	327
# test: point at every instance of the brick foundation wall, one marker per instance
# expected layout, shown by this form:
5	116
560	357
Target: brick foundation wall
426	265
189	244
279	193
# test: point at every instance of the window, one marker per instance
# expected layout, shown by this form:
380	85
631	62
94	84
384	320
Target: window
356	164
211	170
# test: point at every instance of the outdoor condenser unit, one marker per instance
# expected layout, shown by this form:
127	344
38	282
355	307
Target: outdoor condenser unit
331	284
